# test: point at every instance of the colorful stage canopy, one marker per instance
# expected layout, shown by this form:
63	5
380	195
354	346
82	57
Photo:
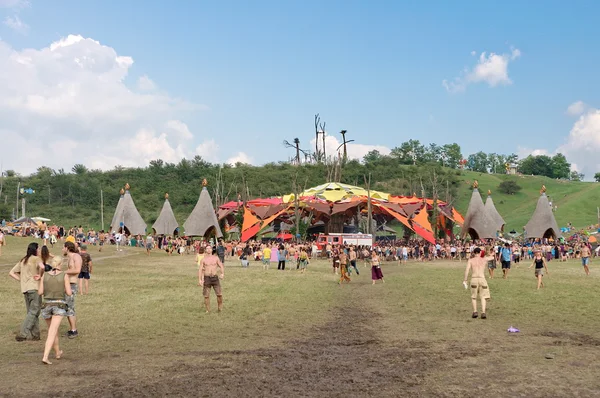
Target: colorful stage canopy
330	199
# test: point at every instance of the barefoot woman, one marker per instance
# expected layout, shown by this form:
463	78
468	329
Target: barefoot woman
55	285
376	273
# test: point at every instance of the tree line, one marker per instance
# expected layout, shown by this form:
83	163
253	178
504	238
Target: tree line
432	170
74	196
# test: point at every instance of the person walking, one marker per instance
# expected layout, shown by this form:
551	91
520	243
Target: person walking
540	264
149	243
74	263
352	257
303	259
86	270
208	278
505	257
282	254
54	288
343	267
479	287
585	258
376	273
28	271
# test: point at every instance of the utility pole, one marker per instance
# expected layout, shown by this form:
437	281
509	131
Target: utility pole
18	189
102	209
369	207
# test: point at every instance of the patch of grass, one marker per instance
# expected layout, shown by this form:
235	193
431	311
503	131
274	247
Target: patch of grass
577	201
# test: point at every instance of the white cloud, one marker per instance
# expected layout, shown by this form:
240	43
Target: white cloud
355	151
583	143
146	84
240	157
523	152
14	3
16	24
491	68
69	103
208	150
577	108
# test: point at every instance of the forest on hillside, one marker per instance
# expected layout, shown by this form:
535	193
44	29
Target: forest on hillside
74	196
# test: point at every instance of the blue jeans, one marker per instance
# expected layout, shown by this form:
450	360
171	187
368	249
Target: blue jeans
353	265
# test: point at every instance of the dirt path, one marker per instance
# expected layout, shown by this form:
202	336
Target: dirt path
344	357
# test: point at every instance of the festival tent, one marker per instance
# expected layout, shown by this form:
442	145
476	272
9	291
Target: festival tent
25	220
477	223
114	224
127	216
203	218
166	223
338	203
542	223
336	191
495	217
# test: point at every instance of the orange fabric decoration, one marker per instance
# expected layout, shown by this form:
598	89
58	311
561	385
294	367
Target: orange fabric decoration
422	220
249	219
397	216
250	232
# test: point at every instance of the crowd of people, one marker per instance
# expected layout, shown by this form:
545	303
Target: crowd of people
50	283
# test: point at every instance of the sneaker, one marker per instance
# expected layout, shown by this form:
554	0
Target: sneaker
483	316
73	334
20	338
475	315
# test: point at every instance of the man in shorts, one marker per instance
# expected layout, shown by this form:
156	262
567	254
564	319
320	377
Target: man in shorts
73	259
479	287
585	258
86	270
505	258
207	278
149	244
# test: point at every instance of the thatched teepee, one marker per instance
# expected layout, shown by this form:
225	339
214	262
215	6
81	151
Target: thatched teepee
493	215
166	223
542	223
477	223
114	224
203	218
128	215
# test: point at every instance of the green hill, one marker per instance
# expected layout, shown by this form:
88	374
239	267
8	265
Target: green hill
577	201
73	198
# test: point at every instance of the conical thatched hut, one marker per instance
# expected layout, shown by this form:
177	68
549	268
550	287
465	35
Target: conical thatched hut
114	224
477	223
166	223
127	219
542	223
493	215
203	218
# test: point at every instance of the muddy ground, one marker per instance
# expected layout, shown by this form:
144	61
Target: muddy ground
343	358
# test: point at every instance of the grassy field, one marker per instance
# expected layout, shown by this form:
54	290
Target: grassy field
143	333
577	201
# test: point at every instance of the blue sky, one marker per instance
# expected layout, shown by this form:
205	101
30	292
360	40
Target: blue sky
255	74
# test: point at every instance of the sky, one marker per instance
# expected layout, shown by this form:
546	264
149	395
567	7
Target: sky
107	83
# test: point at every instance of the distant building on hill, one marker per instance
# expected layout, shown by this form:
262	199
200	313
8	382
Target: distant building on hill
511	169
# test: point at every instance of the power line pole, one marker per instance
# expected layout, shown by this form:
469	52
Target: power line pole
102	209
